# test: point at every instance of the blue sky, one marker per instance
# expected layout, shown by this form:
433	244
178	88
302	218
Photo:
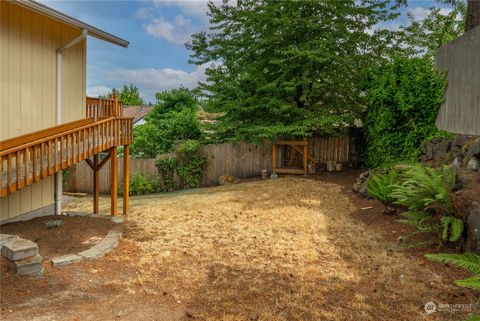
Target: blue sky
156	58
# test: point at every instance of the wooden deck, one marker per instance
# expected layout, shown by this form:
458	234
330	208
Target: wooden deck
29	158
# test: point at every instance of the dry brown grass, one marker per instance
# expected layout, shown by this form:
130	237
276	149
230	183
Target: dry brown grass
285	249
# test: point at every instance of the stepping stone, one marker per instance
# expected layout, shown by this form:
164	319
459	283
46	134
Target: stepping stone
5	238
18	249
66	259
117	220
104	246
30	266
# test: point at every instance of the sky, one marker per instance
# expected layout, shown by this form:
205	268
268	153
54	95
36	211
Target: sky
156	58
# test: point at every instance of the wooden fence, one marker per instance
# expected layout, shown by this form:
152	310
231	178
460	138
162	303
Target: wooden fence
243	160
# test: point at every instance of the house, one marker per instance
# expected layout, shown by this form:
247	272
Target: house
138	113
46	123
460	58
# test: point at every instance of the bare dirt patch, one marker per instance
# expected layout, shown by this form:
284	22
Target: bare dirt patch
75	235
286	249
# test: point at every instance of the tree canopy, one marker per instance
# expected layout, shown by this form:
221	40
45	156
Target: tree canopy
130	96
172	119
287	68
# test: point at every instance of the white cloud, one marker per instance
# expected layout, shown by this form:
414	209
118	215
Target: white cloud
96	91
177	31
196	8
421	13
151	81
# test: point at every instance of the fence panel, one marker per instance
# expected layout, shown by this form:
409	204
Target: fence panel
240	159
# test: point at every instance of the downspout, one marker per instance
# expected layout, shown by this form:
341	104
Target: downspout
58	115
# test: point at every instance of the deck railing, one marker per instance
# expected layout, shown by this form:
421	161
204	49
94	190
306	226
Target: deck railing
98	108
29	158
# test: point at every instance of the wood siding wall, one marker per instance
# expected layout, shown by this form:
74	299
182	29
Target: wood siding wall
28	44
460	112
243	160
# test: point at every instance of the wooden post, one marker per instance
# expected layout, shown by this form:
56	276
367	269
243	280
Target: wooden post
274	157
126	177
96	190
305	156
113	181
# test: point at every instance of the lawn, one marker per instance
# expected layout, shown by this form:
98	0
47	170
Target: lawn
285	249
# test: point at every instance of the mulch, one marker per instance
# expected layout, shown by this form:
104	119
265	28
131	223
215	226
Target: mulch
75	235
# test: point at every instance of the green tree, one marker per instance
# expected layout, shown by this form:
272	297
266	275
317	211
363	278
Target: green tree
288	68
403	100
174	118
441	25
130	96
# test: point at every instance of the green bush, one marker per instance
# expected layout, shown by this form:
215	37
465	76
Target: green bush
422	188
166	170
403	100
141	185
380	186
426	192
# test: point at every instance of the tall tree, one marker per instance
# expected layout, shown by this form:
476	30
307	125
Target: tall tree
130	96
288	68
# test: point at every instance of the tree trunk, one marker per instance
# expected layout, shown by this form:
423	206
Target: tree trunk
473	14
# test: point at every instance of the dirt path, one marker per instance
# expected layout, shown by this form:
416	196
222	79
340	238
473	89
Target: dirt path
287	249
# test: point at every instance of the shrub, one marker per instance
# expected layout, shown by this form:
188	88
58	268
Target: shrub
380	186
166	170
423	188
141	185
403	99
53	223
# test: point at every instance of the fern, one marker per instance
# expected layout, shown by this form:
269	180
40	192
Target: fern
424	187
472	283
452	225
422	221
473	318
380	186
468	261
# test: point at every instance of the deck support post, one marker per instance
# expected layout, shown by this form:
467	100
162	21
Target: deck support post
126	177
113	180
96	189
305	156
274	157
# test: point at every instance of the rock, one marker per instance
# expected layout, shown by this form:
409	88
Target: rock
18	249
457	162
461	181
117	220
5	238
29	266
472	243
473	164
274	176
473	148
360	185
428	151
228	180
66	259
104	246
264	173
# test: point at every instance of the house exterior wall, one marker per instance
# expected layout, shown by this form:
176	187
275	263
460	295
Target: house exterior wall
28	44
460	112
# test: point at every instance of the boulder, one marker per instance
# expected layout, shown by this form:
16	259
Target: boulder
474	148
360	185
472	243
473	164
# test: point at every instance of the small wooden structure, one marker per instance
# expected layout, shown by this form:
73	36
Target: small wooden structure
296	146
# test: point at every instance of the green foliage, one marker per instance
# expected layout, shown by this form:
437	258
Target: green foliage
422	221
289	68
188	165
130	96
380	186
53	224
172	119
403	100
451	226
425	36
141	185
166	170
423	188
468	261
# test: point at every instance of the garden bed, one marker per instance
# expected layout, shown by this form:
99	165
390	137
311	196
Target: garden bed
78	233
